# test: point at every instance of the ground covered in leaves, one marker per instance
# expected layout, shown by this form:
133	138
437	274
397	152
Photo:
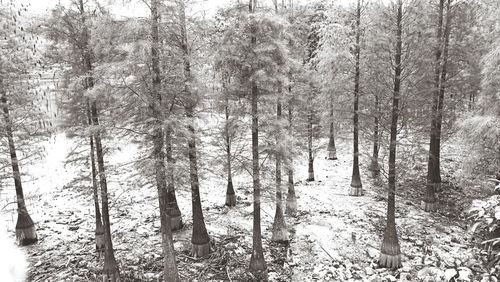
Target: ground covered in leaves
334	237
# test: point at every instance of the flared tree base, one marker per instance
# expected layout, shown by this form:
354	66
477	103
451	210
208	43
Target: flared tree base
176	222
429	206
356	191
280	235
26	236
390	261
310	177
230	200
200	250
258	268
332	155
291	207
25	229
111	275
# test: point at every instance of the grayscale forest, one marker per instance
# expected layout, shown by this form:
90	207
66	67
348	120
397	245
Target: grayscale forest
250	140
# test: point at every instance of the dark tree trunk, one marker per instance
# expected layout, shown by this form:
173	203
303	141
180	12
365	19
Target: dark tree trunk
331	150
25	227
99	228
429	202
310	171
257	263
442	88
280	232
111	271
200	239
172	207
291	199
374	167
390	255
356	186
230	195
170	272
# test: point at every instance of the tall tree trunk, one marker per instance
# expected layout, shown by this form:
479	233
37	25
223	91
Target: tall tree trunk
280	232
291	199
111	271
374	167
172	207
257	263
390	255
230	195
200	239
356	186
331	150
25	227
429	202
99	228
310	170
442	88
170	272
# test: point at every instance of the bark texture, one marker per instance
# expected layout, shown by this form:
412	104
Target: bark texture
390	255
356	186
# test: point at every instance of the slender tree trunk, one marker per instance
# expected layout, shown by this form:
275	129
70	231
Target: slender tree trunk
25	227
172	207
310	171
200	239
429	202
230	195
111	271
442	88
99	228
390	255
280	232
331	150
291	199
356	186
170	272
257	263
374	167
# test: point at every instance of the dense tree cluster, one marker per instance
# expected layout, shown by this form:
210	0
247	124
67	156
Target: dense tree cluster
279	79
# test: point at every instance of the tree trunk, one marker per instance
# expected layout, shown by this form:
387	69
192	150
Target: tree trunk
230	195
111	271
291	199
374	167
356	186
172	207
257	263
442	88
331	150
390	255
429	202
99	228
170	272
200	239
310	171
25	227
280	232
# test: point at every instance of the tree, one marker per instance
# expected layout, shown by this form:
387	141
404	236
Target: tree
170	272
99	228
390	255
16	55
331	149
200	239
433	185
356	186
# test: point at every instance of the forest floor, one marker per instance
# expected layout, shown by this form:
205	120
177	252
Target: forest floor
335	237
